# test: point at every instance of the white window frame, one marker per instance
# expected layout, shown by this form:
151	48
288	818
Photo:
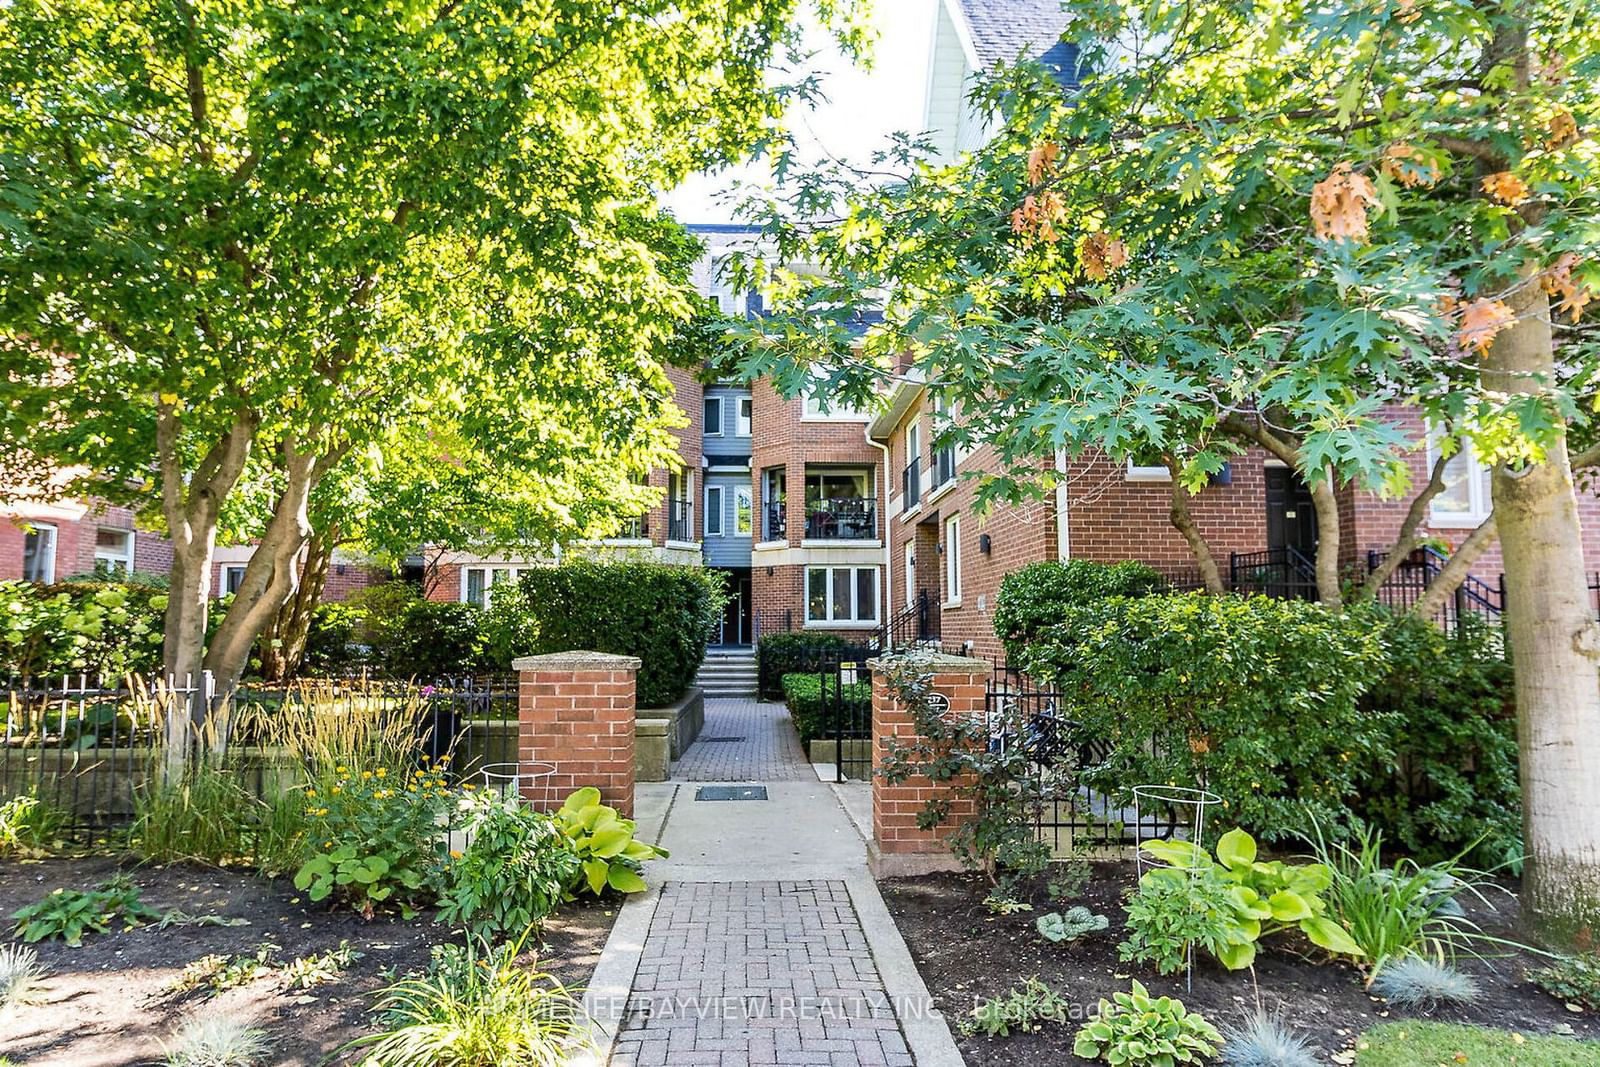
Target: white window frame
513	572
910	572
952	561
714	512
124	559
1479	502
222	577
744	498
1140	473
47	574
743	408
829	620
706	407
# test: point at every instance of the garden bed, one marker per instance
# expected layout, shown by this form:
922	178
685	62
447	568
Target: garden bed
111	1001
964	953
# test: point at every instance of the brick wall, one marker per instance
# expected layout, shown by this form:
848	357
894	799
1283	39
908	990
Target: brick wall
77	525
576	712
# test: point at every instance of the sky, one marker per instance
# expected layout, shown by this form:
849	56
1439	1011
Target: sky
862	107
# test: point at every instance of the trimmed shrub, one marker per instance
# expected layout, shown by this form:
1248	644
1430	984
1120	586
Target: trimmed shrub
1033	598
659	612
331	645
105	628
432	639
803	694
778	655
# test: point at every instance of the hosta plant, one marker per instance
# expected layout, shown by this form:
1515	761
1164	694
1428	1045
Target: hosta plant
1134	1029
71	913
1069	925
1267	897
609	855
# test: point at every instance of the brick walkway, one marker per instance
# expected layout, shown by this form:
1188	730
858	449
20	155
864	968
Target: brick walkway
768	749
736	974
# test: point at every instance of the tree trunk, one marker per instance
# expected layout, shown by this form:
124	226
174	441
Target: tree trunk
1185	524
1554	643
1327	508
283	644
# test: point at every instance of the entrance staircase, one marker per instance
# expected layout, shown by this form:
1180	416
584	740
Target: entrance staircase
728	672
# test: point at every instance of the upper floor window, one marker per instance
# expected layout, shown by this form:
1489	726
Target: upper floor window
39	553
232	578
818	404
1148	465
713	416
952	559
713	511
113	549
1465	499
743	512
741	422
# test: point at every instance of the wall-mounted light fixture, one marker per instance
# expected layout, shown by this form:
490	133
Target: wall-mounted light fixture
984	544
769	572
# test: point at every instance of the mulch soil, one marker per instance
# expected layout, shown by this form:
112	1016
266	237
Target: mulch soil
110	1002
964	953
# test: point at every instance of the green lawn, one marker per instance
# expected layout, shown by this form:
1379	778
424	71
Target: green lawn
1416	1044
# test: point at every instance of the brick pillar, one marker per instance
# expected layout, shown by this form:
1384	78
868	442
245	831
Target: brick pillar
898	846
576	710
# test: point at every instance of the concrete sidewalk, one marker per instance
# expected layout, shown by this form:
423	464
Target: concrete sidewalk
763	940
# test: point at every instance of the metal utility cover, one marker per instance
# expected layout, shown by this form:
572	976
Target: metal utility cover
731	792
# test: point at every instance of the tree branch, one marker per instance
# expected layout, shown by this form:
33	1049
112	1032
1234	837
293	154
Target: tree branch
1407	538
1185	524
1456	569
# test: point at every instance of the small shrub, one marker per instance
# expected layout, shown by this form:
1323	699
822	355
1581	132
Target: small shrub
1068	878
71	913
376	836
1416	984
1264	1040
1069	925
475	1008
104	628
29	825
1137	1030
803	695
433	639
781	654
1573	979
513	872
217	1041
20	976
608	855
1171	911
1026	1008
331	646
1033	598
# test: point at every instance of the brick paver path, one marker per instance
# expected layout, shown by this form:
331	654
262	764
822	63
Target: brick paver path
745	973
769	749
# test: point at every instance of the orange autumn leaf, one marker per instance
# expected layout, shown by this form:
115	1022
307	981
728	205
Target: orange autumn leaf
1036	219
1101	254
1506	187
1041	160
1563	130
1481	321
1573	294
1339	204
1407	10
1408	165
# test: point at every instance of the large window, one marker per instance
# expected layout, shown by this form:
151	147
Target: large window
841	504
1465	500
478	582
842	596
952	559
39	553
113	550
713	416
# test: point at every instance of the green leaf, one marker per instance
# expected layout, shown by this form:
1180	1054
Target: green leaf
1236	849
624	880
1288	906
1330	935
1237	956
596	872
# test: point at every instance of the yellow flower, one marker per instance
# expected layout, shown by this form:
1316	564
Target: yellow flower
366	774
444	759
336	790
419	774
469	787
411	788
327	844
455	854
340	770
383	772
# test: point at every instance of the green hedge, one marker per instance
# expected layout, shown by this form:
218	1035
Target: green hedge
803	694
659	612
1035	597
779	654
105	628
1290	711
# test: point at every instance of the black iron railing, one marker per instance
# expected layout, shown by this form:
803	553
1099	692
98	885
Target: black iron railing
916	623
1280	572
680	524
911	482
842	519
774	521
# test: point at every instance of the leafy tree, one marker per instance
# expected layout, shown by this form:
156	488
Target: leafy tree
1267	227
258	235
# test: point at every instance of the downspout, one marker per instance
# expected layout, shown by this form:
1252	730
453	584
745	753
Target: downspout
1063	541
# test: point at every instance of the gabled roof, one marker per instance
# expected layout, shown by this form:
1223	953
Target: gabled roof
1001	30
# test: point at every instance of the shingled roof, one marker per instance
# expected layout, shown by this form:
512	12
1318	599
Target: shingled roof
1003	29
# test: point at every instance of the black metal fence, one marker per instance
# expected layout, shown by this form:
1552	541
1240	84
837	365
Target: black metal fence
87	749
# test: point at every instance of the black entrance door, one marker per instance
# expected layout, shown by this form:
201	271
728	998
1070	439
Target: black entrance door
736	616
1291	516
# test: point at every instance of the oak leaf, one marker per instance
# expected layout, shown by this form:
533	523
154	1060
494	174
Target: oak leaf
1481	321
1339	204
1563	130
1101	254
1506	187
1573	293
1409	165
1041	161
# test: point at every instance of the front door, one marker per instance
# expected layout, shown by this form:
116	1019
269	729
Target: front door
736	617
1291	516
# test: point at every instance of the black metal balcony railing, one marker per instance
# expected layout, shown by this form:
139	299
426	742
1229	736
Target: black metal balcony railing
944	466
842	519
635	529
911	482
775	525
679	526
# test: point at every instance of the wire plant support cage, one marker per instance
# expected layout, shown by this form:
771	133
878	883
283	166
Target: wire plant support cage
1185	810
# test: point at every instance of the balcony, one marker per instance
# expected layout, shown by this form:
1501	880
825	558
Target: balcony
842	519
774	522
911	483
680	524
